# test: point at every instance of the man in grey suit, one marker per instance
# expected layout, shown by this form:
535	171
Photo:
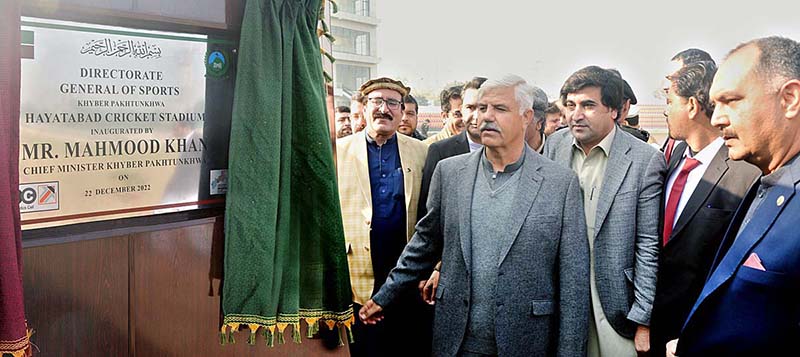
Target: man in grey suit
621	178
515	263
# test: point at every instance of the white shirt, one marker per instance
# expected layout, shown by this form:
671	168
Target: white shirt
473	146
704	156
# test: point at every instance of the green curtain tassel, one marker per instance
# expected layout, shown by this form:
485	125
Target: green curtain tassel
268	335
349	334
325	27
280	337
334	6
231	340
329	36
296	333
312	329
327	76
341	343
328	56
222	338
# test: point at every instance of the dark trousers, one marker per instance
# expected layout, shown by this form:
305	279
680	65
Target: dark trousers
405	330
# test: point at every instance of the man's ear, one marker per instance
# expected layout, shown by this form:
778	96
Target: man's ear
528	116
790	99
694	107
445	115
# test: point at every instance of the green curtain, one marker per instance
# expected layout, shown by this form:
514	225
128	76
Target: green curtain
284	248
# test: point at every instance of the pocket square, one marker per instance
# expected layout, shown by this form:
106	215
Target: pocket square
753	261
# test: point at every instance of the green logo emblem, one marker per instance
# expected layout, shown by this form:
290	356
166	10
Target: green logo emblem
216	64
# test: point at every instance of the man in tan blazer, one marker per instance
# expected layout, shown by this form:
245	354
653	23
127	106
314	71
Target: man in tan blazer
379	176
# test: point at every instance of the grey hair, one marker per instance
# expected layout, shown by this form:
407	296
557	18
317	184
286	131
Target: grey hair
523	92
540	103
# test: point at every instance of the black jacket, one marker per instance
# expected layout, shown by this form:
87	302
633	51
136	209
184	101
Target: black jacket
440	150
685	261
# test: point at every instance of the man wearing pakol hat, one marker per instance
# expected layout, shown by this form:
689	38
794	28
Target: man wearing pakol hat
379	176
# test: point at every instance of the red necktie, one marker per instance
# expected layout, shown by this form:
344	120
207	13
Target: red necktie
675	196
668	149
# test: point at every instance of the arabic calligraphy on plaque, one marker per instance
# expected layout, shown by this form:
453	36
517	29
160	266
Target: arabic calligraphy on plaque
121	48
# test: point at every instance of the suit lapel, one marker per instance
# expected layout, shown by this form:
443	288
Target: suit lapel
408	178
362	167
462	145
616	169
675	159
467	173
564	152
529	185
716	168
753	232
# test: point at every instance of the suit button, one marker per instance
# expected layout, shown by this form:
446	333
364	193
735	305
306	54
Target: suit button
499	303
500	273
466	302
367	222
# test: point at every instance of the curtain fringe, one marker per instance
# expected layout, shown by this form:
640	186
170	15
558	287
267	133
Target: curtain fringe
19	348
227	330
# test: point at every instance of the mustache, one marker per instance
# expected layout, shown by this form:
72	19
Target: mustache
380	115
490	125
727	133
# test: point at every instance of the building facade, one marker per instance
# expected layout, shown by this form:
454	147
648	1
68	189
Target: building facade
354	26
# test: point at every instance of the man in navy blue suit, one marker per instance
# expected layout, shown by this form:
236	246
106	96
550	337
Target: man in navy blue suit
750	304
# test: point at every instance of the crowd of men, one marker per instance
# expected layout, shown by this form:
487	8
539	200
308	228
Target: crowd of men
502	235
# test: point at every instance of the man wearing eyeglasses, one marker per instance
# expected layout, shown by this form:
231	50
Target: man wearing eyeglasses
379	175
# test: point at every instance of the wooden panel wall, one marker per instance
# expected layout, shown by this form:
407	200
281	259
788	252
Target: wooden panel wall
76	297
153	293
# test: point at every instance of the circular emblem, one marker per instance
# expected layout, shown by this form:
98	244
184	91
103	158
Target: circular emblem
216	63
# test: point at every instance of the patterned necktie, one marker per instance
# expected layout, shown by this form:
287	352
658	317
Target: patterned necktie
675	196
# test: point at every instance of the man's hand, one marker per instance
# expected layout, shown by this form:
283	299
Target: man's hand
429	289
456	125
672	347
642	340
370	313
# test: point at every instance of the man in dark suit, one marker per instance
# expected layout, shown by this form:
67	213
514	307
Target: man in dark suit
515	262
750	304
467	141
703	189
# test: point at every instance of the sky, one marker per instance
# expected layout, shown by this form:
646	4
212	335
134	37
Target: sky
429	43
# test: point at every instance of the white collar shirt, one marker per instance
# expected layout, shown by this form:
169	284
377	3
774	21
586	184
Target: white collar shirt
705	156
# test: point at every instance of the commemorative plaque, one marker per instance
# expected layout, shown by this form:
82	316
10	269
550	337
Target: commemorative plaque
111	122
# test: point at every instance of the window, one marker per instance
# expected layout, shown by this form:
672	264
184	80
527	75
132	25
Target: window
355	7
350	77
351	41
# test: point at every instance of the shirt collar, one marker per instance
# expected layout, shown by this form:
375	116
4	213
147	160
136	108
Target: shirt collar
509	168
772	179
541	146
473	146
707	153
604	145
371	141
